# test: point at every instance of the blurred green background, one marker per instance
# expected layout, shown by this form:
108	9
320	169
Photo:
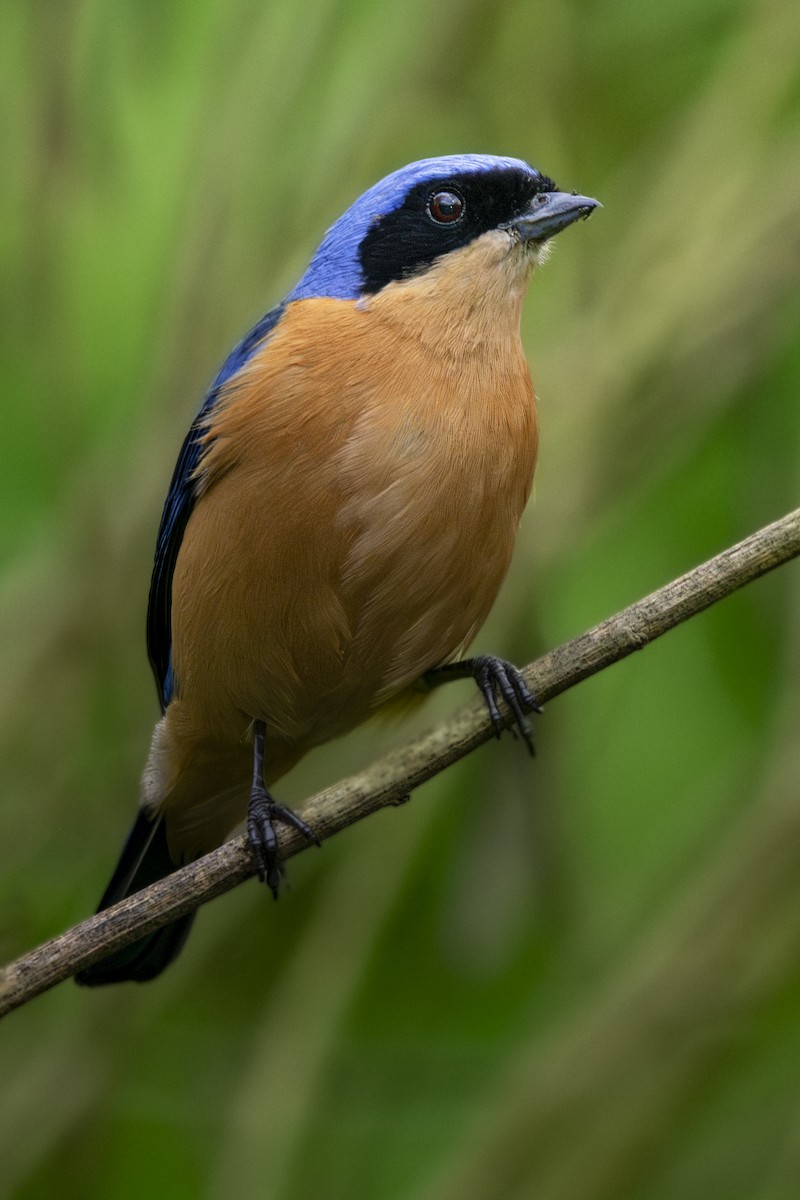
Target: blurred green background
572	979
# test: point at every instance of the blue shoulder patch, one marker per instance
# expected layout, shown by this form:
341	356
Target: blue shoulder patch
177	510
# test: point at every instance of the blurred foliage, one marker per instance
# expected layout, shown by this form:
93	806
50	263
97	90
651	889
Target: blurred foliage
572	980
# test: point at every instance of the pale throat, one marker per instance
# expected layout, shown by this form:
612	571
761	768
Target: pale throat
467	302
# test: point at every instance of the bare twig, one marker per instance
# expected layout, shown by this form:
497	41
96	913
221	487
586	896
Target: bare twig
393	777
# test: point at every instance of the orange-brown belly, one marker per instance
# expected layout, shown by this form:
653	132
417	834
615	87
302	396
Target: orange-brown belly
311	640
358	519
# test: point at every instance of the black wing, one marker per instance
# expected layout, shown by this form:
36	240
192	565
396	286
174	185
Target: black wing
178	508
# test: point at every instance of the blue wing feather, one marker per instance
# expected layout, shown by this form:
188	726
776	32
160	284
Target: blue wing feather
178	508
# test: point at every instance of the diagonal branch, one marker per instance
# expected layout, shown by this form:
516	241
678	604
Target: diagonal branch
390	780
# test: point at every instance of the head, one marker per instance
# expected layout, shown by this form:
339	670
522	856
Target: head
408	222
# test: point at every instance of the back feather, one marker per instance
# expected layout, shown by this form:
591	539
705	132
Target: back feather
178	508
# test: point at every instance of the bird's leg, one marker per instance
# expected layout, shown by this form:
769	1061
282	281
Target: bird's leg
495	677
262	814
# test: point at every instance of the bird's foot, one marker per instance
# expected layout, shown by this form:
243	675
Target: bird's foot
496	679
262	815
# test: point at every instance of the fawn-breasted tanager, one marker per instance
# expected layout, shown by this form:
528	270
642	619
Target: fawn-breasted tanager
343	509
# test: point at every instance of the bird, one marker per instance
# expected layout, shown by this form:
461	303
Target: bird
342	512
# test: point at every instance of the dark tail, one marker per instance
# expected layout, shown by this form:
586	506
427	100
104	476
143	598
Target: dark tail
145	858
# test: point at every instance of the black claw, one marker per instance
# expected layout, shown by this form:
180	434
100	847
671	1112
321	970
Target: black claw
496	678
262	814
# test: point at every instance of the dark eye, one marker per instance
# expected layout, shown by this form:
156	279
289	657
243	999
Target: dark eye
445	207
